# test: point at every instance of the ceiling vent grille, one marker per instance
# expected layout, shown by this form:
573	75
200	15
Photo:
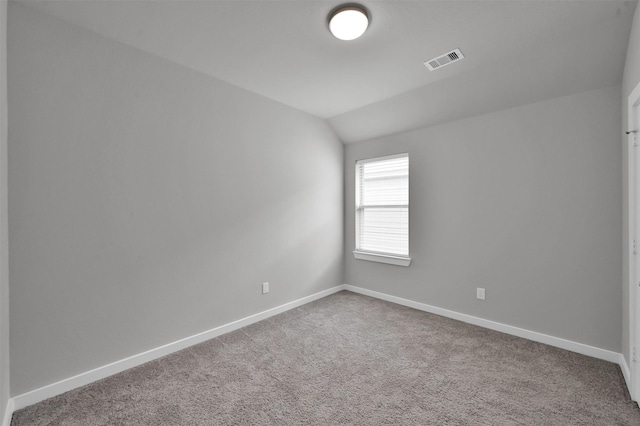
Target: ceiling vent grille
446	59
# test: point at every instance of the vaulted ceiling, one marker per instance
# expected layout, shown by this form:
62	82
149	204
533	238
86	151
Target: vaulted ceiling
516	52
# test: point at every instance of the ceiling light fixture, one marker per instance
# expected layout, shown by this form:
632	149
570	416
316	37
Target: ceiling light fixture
348	22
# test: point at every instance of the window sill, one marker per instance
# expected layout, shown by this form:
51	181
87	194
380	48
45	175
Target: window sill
382	258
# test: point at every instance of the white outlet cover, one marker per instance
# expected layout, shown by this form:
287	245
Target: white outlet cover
480	293
265	288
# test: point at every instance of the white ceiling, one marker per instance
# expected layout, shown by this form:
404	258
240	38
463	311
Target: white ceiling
516	52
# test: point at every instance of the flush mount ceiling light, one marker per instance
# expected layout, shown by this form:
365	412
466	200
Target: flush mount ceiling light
349	21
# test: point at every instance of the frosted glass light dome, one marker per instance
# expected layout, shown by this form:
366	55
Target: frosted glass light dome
348	22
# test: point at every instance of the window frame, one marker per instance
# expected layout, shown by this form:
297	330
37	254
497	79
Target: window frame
388	258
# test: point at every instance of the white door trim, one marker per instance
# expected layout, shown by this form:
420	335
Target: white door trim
634	226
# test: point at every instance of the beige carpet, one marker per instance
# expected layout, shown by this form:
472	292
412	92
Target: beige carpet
350	359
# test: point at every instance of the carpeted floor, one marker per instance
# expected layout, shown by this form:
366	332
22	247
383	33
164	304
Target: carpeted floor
351	359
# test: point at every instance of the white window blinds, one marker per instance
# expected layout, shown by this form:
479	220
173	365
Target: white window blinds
382	205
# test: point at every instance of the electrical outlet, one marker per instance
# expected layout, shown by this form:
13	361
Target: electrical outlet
480	294
265	288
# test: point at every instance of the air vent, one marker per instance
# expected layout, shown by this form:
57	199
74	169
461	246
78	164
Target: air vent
446	59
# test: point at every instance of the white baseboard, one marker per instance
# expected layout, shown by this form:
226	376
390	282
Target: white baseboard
87	377
626	371
508	329
8	413
595	352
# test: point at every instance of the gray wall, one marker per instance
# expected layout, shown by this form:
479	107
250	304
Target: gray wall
629	81
4	249
525	202
148	202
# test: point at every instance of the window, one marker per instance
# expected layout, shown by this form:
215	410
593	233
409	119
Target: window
382	210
